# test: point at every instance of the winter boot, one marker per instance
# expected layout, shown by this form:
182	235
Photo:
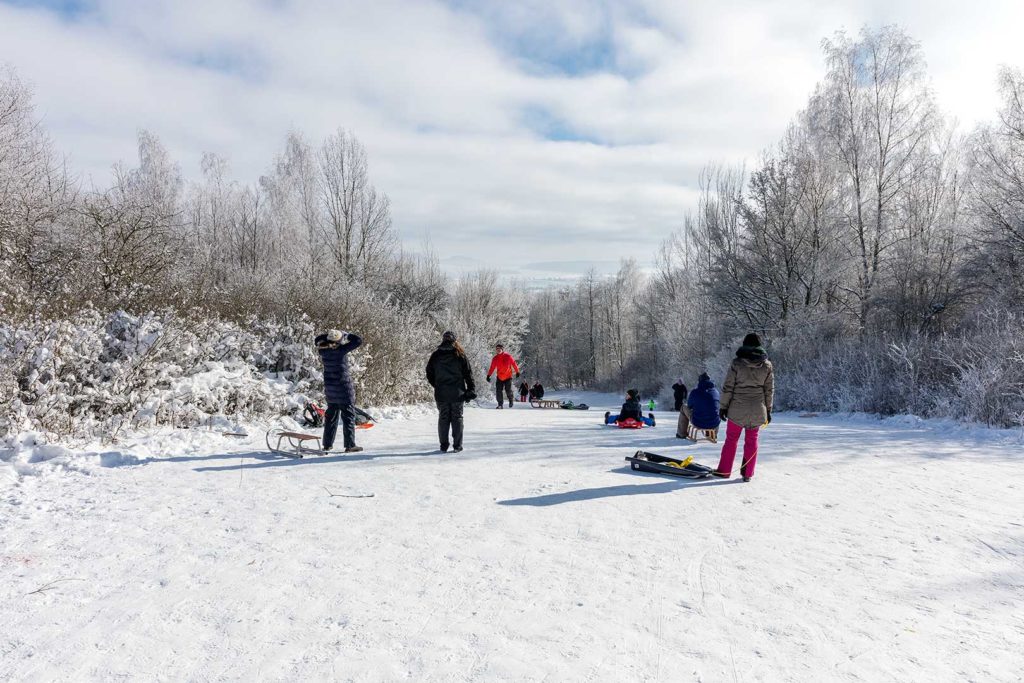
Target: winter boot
353	449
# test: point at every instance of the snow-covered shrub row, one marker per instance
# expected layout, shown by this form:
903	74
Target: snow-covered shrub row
105	372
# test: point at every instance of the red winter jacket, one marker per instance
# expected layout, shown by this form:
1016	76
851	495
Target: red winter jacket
505	366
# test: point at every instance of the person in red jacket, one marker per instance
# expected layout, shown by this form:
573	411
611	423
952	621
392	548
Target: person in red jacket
505	366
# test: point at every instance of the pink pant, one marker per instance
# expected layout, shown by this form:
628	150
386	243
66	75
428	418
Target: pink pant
732	439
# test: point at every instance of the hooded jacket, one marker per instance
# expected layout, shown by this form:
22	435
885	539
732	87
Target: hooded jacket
449	374
703	404
749	387
631	408
337	377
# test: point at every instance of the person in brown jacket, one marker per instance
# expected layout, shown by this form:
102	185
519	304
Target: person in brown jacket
747	404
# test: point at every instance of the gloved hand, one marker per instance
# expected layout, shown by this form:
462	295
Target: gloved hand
488	378
468	396
517	375
724	414
769	418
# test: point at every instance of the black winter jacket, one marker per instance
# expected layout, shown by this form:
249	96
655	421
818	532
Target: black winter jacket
337	378
631	408
449	374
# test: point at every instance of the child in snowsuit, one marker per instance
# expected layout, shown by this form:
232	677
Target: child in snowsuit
701	408
747	397
524	389
449	373
504	365
334	347
630	409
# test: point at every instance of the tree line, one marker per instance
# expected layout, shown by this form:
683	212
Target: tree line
877	247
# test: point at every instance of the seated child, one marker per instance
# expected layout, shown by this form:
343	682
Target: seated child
701	407
630	409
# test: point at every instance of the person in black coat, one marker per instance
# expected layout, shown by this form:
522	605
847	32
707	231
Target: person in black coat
679	394
537	391
449	373
334	347
524	389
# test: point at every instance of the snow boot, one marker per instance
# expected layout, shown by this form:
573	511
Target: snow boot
746	478
651	415
721	475
353	449
457	449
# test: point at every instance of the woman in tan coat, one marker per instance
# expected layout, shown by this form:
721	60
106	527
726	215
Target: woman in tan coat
747	404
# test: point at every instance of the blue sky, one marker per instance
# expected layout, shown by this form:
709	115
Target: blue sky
538	137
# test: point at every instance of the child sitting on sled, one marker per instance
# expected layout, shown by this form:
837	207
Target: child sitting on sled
700	411
630	409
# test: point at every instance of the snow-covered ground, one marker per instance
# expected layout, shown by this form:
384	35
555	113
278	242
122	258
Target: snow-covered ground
862	550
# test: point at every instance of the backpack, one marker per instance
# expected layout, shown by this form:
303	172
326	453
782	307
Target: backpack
313	415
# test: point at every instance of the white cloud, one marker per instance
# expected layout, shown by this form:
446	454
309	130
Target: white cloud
441	95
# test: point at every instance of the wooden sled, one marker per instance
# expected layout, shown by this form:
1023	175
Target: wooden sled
292	444
546	403
694	434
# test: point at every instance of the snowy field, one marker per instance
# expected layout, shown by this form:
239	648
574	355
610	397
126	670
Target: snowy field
863	550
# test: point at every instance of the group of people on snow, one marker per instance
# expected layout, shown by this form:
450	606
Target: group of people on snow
744	402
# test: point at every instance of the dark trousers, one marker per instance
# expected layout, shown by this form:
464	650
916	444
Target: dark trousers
449	417
679	403
348	424
505	385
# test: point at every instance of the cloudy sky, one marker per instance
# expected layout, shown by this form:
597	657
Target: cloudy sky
539	137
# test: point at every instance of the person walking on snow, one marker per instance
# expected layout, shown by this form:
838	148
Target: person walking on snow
334	347
747	396
505	366
449	373
701	408
524	389
679	394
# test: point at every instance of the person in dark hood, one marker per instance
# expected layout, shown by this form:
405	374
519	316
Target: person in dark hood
334	347
701	407
537	392
524	389
747	396
679	394
449	373
630	409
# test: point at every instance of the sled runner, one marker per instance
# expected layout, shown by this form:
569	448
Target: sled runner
545	403
292	444
641	461
695	434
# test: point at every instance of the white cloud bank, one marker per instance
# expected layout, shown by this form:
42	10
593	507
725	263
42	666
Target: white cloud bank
512	134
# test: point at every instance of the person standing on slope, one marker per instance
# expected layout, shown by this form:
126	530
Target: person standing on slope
505	366
334	347
449	373
747	397
524	390
679	394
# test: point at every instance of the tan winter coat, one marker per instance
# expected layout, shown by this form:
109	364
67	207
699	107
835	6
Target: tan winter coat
748	391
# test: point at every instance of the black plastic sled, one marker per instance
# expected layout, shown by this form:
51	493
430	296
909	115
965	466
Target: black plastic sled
641	461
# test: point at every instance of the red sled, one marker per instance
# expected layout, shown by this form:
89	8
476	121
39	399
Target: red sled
630	423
